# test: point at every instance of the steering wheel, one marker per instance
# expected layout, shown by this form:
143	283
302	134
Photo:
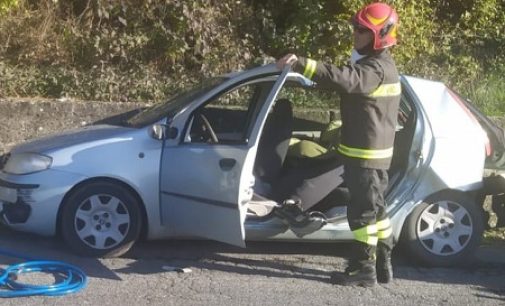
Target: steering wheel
207	128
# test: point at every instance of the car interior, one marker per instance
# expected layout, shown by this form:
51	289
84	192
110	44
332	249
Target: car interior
316	181
281	172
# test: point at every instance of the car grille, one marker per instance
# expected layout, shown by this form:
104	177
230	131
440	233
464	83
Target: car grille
3	160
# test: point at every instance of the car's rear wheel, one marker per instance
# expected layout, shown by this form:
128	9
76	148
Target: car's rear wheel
101	219
443	230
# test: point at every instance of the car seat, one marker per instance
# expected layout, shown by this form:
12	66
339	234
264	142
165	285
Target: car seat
274	142
311	183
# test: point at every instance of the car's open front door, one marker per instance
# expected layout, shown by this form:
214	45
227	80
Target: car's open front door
205	187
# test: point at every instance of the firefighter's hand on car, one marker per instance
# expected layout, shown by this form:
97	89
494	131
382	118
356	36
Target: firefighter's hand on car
288	59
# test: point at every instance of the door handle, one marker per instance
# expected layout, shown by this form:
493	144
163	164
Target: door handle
227	164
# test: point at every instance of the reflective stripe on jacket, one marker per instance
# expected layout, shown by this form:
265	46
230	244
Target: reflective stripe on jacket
370	93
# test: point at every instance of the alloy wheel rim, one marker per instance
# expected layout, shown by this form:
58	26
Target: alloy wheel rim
444	228
102	221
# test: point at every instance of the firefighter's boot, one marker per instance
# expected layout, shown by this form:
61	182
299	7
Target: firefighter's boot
361	269
384	266
358	273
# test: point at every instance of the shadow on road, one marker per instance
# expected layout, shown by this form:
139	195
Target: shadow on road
41	248
293	260
270	259
311	261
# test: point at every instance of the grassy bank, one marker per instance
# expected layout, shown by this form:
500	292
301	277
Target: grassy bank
488	93
144	50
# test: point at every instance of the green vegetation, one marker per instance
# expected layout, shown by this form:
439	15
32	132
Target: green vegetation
6	5
143	50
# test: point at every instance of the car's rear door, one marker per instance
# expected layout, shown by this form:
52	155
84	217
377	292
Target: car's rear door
205	187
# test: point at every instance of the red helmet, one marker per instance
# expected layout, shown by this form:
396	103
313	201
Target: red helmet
382	20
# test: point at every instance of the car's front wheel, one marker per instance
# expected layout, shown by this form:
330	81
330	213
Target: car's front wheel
101	219
443	230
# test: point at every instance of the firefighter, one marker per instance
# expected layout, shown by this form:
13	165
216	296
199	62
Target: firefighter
370	91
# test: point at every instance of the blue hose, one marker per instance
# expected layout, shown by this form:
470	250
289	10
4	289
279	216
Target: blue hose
73	278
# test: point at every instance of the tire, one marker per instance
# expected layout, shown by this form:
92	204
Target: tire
444	230
101	219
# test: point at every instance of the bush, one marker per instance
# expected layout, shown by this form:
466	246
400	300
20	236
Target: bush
112	50
144	49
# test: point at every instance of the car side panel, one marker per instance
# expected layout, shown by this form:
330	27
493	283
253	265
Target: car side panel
458	155
132	158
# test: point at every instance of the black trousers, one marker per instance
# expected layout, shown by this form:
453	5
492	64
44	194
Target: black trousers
367	205
310	182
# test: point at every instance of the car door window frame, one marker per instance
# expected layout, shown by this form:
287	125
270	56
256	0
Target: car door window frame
265	84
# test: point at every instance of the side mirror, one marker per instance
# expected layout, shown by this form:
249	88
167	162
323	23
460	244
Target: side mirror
162	131
157	131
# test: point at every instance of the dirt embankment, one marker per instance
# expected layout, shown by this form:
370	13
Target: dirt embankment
24	119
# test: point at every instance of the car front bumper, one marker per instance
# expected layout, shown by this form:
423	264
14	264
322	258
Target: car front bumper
30	203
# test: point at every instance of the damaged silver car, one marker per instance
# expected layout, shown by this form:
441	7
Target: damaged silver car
217	161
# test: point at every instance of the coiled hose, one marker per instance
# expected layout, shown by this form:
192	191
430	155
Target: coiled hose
72	278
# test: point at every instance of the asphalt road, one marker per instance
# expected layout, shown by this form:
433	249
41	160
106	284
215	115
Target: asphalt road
262	274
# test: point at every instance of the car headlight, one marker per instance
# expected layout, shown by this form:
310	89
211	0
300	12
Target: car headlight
25	163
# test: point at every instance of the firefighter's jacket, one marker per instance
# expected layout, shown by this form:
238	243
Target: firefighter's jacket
370	96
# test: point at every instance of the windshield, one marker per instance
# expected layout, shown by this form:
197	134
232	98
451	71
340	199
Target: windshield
173	105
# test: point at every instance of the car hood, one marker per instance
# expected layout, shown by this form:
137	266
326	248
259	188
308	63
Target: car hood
70	138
